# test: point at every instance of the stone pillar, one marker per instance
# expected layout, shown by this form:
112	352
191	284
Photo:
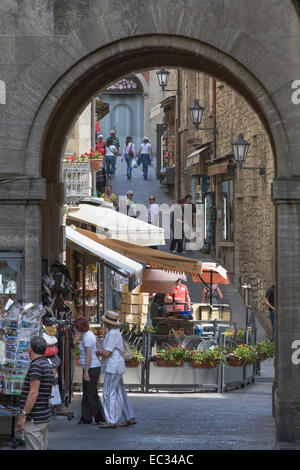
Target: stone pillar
20	213
286	195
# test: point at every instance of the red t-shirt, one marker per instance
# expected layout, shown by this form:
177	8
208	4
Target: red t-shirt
180	293
100	146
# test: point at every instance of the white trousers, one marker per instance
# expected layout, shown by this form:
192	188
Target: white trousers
36	435
114	395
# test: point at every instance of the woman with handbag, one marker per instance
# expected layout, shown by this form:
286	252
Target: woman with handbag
91	406
113	364
145	155
111	153
129	155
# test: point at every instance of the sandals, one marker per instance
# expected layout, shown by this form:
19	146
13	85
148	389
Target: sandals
128	423
108	425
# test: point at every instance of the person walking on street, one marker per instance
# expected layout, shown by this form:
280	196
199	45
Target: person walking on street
128	154
145	156
113	364
109	196
100	144
101	179
116	142
116	283
131	207
190	227
110	157
36	392
91	406
269	301
177	227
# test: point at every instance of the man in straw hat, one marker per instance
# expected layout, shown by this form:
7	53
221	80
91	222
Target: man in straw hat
113	364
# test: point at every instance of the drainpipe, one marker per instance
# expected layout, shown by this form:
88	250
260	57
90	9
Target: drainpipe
93	139
214	114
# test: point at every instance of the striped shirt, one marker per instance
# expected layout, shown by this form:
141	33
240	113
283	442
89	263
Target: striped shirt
115	141
41	370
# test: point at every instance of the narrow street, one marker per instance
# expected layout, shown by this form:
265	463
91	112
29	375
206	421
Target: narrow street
237	420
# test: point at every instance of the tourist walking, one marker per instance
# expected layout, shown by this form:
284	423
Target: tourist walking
269	301
91	407
145	156
116	142
131	207
36	392
177	227
110	157
100	144
128	153
153	214
113	364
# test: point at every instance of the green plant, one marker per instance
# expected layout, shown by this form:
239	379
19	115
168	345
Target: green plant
241	335
266	349
77	351
137	355
208	355
247	353
149	329
229	333
174	353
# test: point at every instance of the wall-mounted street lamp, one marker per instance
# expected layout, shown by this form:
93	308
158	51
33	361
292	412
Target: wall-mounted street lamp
240	149
163	80
196	113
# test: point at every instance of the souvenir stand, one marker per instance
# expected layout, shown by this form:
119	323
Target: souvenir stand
18	323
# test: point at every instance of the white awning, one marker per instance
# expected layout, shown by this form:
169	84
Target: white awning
116	225
113	260
194	157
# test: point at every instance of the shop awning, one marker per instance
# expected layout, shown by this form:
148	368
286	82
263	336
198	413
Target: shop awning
113	260
102	109
194	157
153	258
116	225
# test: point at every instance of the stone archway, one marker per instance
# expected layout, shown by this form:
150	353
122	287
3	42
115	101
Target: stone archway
89	49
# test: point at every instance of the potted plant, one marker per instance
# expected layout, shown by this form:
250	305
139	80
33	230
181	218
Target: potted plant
265	350
207	358
243	355
137	358
173	356
95	159
241	336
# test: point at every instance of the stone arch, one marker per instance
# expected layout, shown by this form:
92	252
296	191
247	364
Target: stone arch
90	49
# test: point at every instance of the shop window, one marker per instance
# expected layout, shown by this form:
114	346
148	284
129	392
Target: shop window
227	211
11	267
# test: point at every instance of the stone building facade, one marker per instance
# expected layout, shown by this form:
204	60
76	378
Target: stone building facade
243	211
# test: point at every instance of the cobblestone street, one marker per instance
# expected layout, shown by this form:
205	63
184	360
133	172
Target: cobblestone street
237	420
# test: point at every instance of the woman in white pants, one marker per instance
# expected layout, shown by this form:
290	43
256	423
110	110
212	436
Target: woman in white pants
113	364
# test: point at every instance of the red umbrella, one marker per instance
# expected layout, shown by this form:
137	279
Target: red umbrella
212	273
159	281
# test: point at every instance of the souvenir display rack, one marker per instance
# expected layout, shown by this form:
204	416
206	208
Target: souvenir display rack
18	323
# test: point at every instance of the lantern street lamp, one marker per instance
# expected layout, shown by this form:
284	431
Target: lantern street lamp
163	80
240	149
196	112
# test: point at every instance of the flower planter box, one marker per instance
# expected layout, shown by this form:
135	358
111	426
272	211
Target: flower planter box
206	364
236	361
162	363
132	363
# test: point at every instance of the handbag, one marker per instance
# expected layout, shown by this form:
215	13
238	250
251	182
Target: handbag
51	350
55	398
127	353
130	153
